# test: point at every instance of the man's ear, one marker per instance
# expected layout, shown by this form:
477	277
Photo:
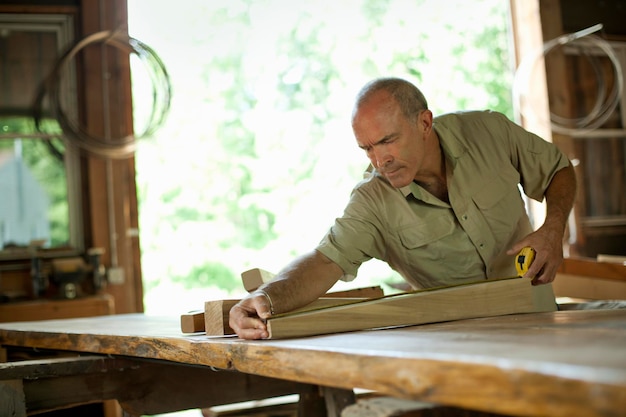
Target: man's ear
425	121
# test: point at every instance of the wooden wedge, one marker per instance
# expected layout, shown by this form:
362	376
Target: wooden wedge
484	299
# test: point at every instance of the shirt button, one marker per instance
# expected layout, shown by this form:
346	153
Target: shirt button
481	245
464	217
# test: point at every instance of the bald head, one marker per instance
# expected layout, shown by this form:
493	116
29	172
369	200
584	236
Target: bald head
409	98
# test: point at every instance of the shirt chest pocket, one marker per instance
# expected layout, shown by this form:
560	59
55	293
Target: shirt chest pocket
500	204
428	236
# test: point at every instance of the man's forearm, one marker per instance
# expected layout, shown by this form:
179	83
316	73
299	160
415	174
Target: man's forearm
302	281
560	199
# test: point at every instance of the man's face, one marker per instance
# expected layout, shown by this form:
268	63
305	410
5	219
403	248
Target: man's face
394	145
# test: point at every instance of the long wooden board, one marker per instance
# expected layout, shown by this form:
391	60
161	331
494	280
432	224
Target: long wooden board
214	318
484	299
216	313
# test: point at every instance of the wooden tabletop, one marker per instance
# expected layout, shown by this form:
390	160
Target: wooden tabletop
566	363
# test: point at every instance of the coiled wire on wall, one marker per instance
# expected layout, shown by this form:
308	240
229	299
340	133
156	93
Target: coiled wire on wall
120	147
605	104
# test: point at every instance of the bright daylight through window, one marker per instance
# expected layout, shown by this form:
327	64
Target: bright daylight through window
257	156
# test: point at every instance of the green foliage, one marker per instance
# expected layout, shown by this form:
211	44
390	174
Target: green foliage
40	156
210	274
49	172
271	76
487	63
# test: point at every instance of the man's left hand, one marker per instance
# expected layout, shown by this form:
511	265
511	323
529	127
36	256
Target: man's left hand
548	246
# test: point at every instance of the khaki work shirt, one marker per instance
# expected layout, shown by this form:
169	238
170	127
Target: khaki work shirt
432	243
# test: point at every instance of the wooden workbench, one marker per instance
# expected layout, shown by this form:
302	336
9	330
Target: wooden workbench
566	363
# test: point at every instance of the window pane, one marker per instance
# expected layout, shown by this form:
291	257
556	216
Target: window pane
33	167
33	188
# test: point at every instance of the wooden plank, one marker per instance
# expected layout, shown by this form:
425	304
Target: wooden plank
590	288
364	292
12	398
588	279
253	278
395	407
54	367
141	387
216	312
271	407
195	321
485	299
591	268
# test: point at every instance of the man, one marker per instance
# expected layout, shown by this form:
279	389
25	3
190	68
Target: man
441	206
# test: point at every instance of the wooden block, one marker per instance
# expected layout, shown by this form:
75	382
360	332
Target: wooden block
254	278
192	322
484	299
216	317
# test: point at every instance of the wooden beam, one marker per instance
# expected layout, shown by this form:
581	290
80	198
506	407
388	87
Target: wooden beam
110	207
140	386
484	299
165	388
56	383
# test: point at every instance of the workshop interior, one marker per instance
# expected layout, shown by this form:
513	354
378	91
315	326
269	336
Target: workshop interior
68	139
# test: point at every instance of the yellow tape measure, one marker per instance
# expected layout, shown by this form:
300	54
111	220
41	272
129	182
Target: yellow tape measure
524	258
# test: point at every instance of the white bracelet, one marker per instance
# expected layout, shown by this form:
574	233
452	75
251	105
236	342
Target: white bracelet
269	299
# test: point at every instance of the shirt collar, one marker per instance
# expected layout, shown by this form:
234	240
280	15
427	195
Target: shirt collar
453	149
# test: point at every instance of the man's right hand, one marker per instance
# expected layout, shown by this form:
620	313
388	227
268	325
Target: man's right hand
247	317
305	279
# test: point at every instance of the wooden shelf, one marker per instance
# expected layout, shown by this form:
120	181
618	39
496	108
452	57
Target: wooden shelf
97	305
588	279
